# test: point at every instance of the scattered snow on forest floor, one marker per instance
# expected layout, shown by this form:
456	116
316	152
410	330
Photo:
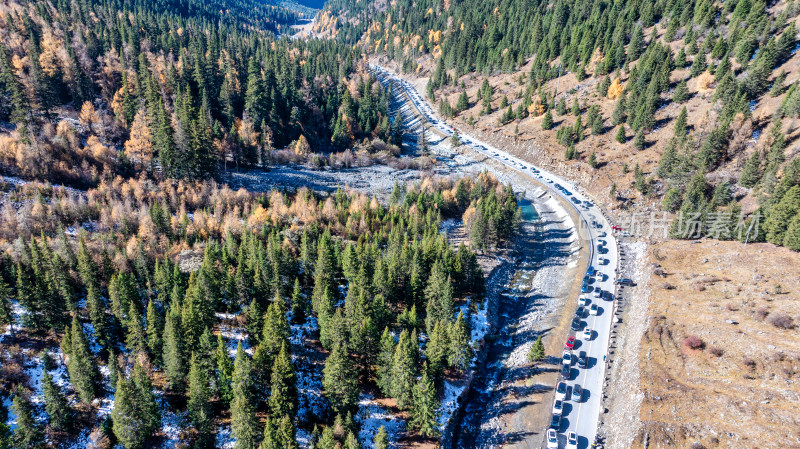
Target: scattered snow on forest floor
301	332
234	336
452	392
371	415
311	401
172	423
303	438
225	439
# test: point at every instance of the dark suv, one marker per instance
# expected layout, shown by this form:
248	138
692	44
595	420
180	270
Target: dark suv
582	360
555	423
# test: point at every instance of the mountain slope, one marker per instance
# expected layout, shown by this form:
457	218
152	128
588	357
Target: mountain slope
632	67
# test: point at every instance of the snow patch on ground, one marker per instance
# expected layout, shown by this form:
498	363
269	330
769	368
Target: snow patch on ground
234	336
371	416
299	333
94	346
172	424
311	401
225	439
303	438
452	393
17	312
448	225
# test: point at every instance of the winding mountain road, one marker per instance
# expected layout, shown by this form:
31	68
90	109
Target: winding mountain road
580	416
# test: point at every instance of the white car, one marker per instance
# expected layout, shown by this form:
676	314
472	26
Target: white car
587	334
558	407
584	300
566	358
552	439
572	440
598	293
561	391
598	275
594	310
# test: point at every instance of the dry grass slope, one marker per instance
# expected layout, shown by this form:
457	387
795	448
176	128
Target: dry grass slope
720	360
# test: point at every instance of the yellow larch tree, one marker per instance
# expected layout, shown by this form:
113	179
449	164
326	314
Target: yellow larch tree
139	147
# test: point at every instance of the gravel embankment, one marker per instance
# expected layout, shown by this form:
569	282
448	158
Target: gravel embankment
622	423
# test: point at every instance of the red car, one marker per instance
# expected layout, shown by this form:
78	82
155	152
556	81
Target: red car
570	342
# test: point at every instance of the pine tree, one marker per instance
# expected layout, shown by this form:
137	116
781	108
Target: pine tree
680	59
55	402
681	93
298	303
275	331
18	109
174	358
340	381
593	160
199	403
283	388
636	44
669	159
155	330
135	339
6	437
28	434
679	128
224	371
638	141
437	350
751	172
619	116
243	411
89	275
460	352
135	415
6	311
698	65
791	239
381	440
351	442
384	362
537	350
439	296
463	102
547	121
83	372
255	319
269	439
404	365
424	413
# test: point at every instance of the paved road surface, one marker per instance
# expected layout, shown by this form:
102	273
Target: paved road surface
581	416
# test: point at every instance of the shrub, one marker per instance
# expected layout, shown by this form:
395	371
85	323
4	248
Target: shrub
781	320
694	342
716	352
762	313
